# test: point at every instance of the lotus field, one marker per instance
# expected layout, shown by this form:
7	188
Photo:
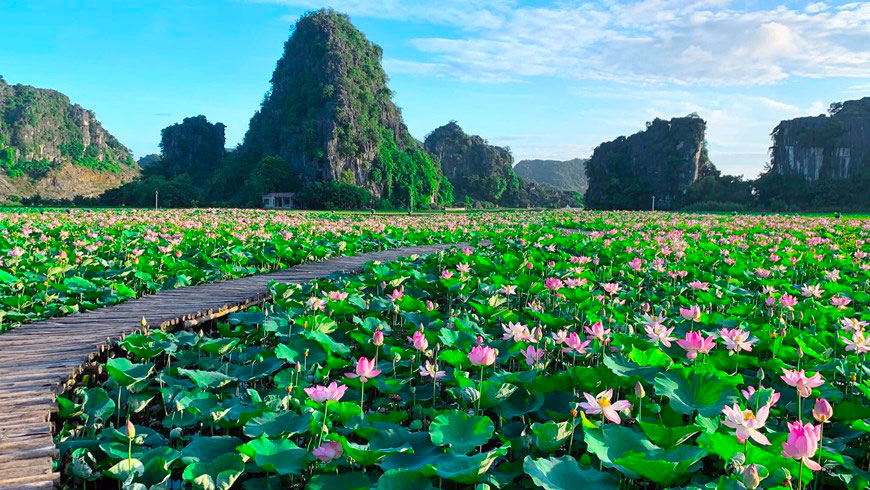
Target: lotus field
653	351
57	263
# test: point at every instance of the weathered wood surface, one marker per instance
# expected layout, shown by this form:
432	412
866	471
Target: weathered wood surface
39	359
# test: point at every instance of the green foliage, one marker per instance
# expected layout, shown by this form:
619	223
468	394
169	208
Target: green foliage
177	192
193	147
271	174
409	177
334	195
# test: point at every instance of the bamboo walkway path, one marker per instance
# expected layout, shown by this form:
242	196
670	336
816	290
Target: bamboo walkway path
38	360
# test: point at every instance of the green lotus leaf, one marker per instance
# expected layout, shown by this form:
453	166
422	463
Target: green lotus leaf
281	456
365	454
274	424
460	431
97	406
551	435
403	480
613	441
207	448
704	394
341	481
565	473
126	470
206	380
217	474
668	436
465	469
666	466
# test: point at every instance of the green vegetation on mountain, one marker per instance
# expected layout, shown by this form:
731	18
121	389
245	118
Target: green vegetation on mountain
330	117
567	175
51	147
482	174
658	163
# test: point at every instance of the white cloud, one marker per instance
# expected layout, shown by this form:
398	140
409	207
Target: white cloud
687	42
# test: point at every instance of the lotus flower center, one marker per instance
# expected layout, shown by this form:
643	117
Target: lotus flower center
604	401
748	415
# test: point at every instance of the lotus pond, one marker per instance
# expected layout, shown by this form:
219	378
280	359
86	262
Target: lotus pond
658	351
54	263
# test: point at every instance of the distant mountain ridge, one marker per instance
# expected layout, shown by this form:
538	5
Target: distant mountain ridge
566	175
483	174
55	149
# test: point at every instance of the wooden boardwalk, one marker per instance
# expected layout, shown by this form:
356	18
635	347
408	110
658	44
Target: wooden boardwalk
39	359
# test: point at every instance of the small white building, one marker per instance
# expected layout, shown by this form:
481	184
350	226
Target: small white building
278	200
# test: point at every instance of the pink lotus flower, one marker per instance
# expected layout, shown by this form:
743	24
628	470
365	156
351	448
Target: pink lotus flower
378	337
658	333
695	344
337	295
419	340
823	411
840	302
800	381
328	451
320	393
611	288
635	264
597	331
853	324
553	284
692	314
737	340
746	423
446	274
787	301
533	355
560	336
15	252
397	295
812	291
516	331
365	370
699	286
431	370
602	404
859	343
802	443
574	344
463	268
482	356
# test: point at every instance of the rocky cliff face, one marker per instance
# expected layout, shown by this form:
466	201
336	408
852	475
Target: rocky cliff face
55	149
662	161
567	175
484	173
826	147
330	116
193	147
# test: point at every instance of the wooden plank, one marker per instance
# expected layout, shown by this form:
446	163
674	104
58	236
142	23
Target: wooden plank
37	359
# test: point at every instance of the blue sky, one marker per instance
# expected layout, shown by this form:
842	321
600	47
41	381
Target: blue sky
550	79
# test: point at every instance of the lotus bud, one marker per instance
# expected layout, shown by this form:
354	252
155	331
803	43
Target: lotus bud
131	430
538	333
761	374
378	337
479	340
306	352
638	390
823	410
298	367
144	322
750	477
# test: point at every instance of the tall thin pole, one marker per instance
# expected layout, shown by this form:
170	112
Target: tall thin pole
155	199
654	203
